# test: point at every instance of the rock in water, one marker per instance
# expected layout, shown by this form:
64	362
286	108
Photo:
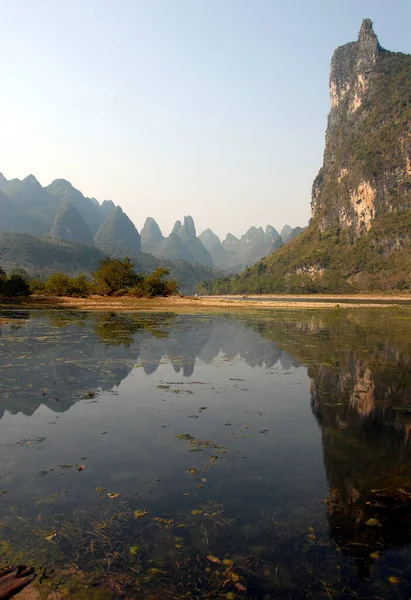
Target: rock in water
13	579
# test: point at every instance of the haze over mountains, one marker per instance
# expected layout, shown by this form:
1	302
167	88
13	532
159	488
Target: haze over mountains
61	212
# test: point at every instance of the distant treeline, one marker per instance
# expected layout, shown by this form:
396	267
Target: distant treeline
114	277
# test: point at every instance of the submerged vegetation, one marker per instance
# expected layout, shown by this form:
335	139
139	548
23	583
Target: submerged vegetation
201	482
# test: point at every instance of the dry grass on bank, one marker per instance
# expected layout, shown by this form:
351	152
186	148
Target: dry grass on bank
200	304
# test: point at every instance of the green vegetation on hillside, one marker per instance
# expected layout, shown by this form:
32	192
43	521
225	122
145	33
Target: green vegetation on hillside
320	262
370	145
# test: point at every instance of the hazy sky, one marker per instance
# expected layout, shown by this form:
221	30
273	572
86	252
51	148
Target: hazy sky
214	108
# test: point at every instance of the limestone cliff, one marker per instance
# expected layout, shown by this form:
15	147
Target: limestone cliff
367	160
359	237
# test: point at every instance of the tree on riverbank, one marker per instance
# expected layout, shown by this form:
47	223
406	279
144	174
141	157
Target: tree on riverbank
13	285
114	277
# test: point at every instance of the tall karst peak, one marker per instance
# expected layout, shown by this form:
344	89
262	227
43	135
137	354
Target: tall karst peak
151	234
90	211
231	238
177	227
359	237
366	170
286	230
351	68
368	44
107	206
208	237
3	181
188	229
31	180
69	225
62	184
118	235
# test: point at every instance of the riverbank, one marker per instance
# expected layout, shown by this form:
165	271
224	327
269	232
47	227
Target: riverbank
204	303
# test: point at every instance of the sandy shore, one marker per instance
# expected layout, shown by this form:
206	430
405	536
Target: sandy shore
204	303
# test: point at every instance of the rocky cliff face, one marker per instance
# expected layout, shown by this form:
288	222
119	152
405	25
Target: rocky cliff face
367	160
359	237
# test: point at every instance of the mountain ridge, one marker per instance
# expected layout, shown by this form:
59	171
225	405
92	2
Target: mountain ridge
45	211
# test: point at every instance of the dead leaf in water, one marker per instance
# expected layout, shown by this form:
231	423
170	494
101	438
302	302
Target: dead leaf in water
112	496
214	559
373	523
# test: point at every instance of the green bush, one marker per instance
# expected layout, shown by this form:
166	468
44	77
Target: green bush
37	286
114	275
156	283
60	284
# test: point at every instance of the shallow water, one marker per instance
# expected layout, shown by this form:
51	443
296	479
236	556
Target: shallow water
209	456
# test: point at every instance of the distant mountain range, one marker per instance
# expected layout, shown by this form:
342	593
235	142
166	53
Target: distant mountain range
61	212
232	254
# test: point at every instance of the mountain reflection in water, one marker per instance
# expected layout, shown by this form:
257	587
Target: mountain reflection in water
61	356
359	367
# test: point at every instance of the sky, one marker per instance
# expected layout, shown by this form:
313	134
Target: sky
210	108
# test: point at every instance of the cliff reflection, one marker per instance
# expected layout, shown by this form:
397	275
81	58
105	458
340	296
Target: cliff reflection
360	370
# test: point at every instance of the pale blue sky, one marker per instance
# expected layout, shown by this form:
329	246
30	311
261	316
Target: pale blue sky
214	108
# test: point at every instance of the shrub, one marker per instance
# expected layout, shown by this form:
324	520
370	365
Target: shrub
60	284
114	275
37	286
156	283
15	286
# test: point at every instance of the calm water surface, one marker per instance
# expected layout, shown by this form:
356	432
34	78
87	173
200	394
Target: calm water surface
209	456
